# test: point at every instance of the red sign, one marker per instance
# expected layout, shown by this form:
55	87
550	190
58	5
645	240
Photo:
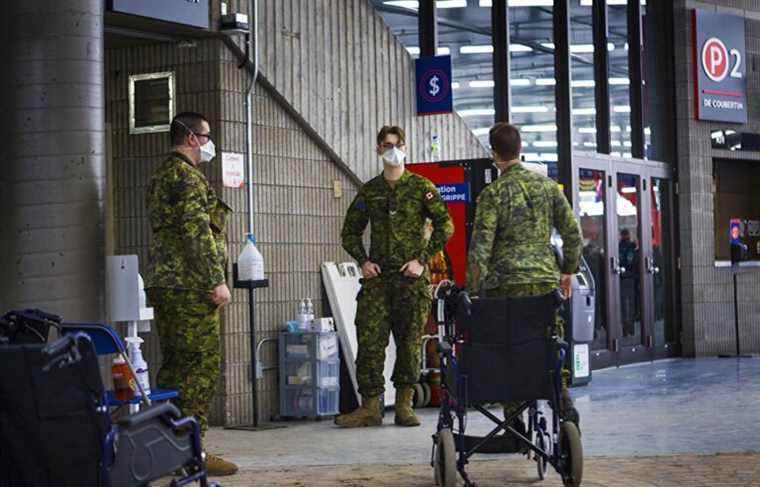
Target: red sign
715	59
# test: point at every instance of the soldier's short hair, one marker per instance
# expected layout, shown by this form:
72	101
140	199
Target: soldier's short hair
181	122
505	141
391	130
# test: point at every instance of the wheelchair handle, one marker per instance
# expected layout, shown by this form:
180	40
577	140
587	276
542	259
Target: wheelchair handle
165	408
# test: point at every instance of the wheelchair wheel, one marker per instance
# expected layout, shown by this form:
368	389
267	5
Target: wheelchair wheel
426	394
445	460
541	463
572	451
418	399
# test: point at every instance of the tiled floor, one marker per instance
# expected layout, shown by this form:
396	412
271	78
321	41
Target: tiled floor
662	408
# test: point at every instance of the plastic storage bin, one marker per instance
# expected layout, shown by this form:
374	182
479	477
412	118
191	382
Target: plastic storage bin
309	374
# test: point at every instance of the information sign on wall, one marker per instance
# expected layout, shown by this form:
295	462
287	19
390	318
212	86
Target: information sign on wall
233	170
720	67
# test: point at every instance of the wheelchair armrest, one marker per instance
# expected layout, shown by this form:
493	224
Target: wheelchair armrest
149	414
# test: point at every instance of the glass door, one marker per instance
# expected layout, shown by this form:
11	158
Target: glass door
590	201
626	216
659	267
626	264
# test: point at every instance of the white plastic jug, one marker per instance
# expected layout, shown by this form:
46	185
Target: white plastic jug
250	262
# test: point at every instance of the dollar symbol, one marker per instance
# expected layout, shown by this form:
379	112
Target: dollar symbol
434	88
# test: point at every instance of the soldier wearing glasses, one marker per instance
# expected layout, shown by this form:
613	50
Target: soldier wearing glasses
394	297
186	276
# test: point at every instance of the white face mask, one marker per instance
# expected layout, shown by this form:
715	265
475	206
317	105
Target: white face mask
394	157
208	151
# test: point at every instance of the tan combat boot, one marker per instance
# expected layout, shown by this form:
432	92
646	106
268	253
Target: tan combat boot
218	467
368	414
404	413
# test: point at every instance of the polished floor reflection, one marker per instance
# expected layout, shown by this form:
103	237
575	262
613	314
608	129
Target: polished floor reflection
660	408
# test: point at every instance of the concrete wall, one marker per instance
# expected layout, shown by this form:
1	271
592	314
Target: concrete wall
707	291
316	112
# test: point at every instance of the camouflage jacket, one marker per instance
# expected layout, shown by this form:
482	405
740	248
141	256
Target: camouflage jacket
188	249
510	242
397	215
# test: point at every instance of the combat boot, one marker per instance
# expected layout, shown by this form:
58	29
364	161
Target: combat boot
368	414
404	413
219	467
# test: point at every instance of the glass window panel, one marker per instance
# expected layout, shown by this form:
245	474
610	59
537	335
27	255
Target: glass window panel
532	82
620	98
582	72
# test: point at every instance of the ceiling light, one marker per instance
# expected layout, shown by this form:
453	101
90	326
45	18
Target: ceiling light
621	109
544	143
486	49
529	109
619	81
615	143
476	112
551	156
589	144
481	83
583	83
582	48
628	190
548	45
414	51
443	51
455	85
614	128
532	157
519	82
546	82
520	48
451	3
648	131
589	3
530	3
410	4
586	130
548	127
584	111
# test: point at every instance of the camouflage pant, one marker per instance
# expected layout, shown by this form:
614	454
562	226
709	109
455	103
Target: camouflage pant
386	305
525	291
188	327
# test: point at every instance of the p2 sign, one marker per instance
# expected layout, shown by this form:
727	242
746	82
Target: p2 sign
433	85
720	68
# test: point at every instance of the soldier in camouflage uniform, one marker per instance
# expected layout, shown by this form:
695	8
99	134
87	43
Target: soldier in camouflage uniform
394	297
186	277
510	253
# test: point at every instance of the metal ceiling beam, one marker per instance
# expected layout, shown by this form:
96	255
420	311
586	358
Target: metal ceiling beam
428	28
500	41
635	47
601	77
563	93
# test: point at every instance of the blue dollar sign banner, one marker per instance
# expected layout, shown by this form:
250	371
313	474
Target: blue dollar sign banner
433	85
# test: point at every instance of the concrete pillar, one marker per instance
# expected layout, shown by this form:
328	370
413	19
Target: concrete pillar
52	179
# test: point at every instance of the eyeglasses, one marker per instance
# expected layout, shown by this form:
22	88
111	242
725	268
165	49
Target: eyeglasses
208	135
388	145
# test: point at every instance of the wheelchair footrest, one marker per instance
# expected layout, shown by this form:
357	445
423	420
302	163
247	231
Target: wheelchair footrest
505	443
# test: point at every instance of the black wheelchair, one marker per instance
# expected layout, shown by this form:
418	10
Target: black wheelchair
55	429
498	350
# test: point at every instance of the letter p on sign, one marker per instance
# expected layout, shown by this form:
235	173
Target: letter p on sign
715	59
